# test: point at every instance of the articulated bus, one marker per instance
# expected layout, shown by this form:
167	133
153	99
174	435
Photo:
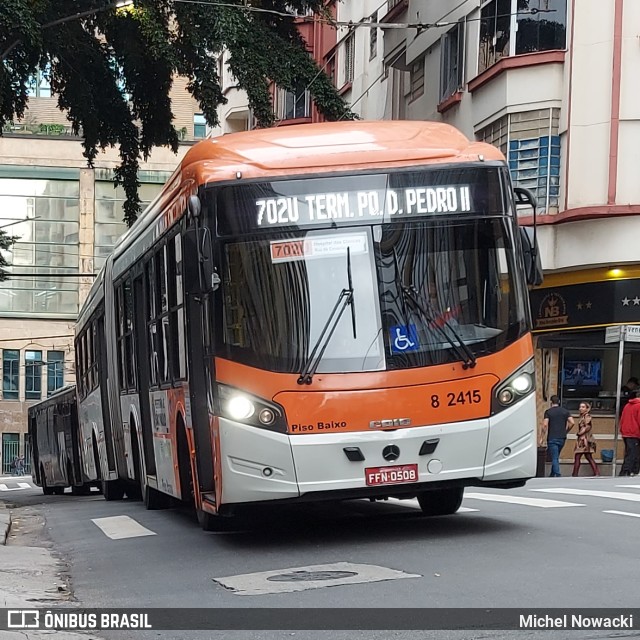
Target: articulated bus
327	311
56	452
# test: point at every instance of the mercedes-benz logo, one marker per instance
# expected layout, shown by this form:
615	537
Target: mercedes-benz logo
391	452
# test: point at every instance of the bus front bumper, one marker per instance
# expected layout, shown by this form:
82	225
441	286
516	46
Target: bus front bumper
261	466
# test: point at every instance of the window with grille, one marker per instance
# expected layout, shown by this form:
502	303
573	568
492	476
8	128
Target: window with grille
373	37
349	54
199	126
10	374
512	27
293	104
55	371
416	78
33	375
452	61
531	142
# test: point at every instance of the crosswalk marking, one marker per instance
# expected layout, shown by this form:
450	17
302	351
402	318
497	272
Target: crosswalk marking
21	486
529	502
623	513
617	495
629	486
120	527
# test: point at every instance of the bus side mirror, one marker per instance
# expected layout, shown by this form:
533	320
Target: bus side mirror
529	236
200	276
532	262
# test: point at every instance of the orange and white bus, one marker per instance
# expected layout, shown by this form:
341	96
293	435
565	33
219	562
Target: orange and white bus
326	311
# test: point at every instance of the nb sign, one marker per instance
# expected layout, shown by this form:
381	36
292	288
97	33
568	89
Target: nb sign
394	422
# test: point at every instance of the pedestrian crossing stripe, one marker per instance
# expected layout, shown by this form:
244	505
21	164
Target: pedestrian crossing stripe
623	513
616	495
21	486
522	500
120	527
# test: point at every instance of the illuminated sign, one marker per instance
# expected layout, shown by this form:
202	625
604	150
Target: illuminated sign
366	205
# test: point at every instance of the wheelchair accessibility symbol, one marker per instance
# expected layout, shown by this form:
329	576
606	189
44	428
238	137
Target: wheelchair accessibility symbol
404	338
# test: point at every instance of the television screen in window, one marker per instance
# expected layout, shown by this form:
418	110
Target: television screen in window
582	373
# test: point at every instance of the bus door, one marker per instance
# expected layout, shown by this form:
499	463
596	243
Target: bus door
144	374
100	351
199	359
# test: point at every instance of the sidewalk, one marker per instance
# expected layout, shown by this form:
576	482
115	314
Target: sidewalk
30	577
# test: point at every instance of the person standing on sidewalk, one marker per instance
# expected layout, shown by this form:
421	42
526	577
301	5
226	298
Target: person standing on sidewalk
586	443
557	422
630	432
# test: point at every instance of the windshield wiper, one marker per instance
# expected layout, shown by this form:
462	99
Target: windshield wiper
462	349
344	300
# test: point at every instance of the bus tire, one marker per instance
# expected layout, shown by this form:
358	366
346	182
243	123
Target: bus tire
80	490
48	491
113	489
210	522
154	499
441	502
58	491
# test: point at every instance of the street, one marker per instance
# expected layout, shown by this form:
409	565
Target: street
566	542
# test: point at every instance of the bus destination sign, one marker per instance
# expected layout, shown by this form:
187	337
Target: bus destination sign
366	205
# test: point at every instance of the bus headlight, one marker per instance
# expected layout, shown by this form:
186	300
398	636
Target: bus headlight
518	385
522	383
240	407
243	407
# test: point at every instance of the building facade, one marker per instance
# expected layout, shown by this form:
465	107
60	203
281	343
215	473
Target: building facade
66	218
552	84
290	107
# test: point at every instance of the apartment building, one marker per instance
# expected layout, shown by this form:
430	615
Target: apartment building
290	107
552	84
66	218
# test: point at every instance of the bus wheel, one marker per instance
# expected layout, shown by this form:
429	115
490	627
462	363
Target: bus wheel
58	491
440	502
209	522
48	491
113	490
80	490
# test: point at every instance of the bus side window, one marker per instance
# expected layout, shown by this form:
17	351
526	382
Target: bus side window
129	351
150	281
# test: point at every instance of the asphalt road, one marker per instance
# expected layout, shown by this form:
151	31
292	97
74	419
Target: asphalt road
566	542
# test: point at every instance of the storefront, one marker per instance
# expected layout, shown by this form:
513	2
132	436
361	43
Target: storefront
570	316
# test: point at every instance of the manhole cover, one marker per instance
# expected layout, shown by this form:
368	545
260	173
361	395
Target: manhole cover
308	576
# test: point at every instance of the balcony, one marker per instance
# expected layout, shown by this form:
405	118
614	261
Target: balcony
395	8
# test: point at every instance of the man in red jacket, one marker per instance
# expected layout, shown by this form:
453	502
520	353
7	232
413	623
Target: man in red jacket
630	431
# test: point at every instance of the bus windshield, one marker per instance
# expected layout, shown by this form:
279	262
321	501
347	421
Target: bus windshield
426	290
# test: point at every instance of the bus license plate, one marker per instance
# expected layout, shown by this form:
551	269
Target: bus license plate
398	474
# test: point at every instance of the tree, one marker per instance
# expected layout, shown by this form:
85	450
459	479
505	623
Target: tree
111	67
5	244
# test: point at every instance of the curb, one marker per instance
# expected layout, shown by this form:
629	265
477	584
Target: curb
5	526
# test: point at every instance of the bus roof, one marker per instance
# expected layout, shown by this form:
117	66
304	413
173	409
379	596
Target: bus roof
331	145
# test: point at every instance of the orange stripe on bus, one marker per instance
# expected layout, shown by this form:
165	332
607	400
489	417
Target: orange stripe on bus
266	384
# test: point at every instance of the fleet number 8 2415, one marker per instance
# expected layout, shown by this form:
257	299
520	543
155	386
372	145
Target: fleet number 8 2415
454	399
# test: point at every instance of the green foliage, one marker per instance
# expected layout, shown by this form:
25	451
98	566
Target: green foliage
5	243
97	53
